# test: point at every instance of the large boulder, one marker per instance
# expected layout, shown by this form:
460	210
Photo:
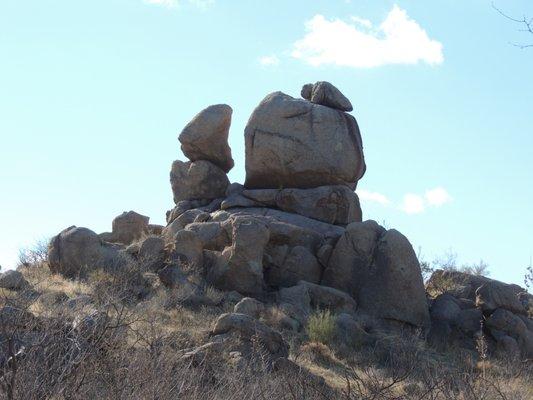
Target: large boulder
206	137
495	294
197	180
394	288
293	143
380	270
76	251
332	204
326	94
240	266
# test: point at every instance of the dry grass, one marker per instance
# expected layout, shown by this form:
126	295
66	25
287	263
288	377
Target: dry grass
135	353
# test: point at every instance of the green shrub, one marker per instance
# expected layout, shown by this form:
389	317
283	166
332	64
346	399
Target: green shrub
321	327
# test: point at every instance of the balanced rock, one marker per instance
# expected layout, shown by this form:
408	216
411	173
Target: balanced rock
337	205
197	180
292	143
324	93
206	137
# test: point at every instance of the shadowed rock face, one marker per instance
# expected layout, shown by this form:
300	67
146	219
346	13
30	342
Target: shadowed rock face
293	143
197	180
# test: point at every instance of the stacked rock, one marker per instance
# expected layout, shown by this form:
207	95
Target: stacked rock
204	141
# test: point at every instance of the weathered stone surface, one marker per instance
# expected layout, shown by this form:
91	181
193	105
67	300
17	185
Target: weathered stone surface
287	228
152	253
206	136
188	250
350	261
326	94
13	280
240	266
197	180
292	143
380	270
249	329
127	228
249	306
503	322
394	289
332	204
494	294
212	234
75	251
299	264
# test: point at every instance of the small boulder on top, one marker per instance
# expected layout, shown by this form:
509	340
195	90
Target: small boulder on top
206	137
324	93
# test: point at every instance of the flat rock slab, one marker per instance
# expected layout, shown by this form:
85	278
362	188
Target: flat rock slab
338	205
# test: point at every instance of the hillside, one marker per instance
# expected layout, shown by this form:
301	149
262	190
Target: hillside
274	289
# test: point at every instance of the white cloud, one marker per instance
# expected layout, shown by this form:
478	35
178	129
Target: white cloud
374	197
269	61
203	4
438	197
164	3
413	204
358	44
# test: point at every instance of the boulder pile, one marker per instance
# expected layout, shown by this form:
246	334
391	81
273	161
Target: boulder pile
292	235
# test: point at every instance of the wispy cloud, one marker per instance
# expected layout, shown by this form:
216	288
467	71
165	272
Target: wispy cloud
411	203
357	43
438	197
163	3
374	197
416	204
202	4
269	61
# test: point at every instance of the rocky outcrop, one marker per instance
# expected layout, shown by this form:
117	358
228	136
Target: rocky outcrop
472	306
293	143
76	251
206	137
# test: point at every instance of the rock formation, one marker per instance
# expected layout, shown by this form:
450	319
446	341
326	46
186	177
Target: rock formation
293	237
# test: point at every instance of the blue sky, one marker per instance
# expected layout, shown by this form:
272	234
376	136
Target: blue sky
94	94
